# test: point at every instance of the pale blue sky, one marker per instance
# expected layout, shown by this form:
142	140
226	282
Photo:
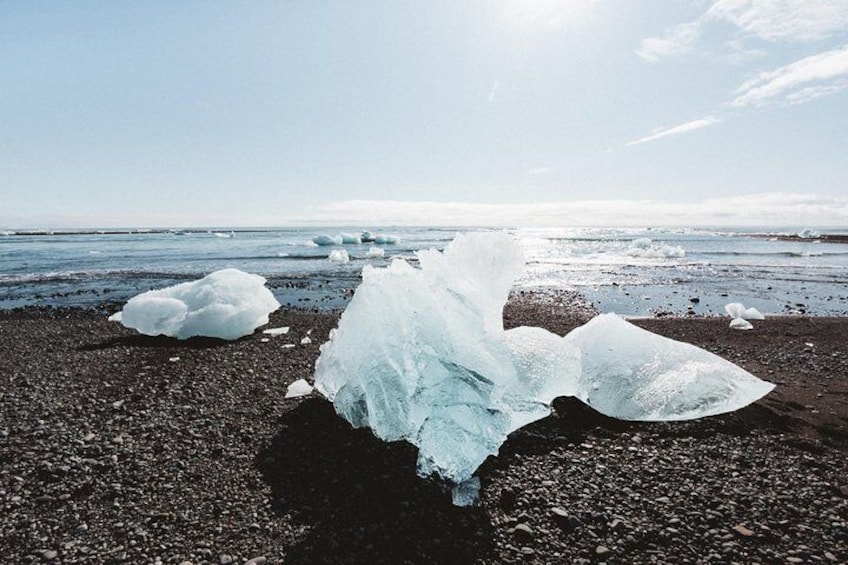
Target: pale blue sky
269	113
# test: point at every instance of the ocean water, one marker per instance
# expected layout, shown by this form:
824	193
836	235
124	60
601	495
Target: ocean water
679	271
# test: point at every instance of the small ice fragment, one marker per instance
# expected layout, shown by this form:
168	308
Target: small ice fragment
741	324
808	344
173	359
288	346
325	239
808	233
350	239
734	310
339	256
276	331
306	341
298	388
116	317
264	340
375	253
752	314
737	310
366	237
466	493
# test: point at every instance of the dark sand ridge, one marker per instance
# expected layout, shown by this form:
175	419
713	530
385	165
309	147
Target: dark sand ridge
112	449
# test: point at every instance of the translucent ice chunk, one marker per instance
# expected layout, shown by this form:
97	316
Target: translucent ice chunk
226	304
298	388
375	253
752	314
421	355
350	239
325	239
741	324
632	374
737	310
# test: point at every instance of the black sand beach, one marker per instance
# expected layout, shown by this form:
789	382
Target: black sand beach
116	447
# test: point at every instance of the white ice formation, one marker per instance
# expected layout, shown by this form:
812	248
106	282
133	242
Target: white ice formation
276	331
339	256
226	304
421	355
740	316
808	233
298	388
644	248
741	324
375	253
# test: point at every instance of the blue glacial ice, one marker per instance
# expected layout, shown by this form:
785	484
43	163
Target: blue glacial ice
226	304
421	355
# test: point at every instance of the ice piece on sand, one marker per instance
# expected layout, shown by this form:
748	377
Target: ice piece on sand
421	355
339	256
276	331
350	239
226	304
298	388
116	317
752	314
375	253
808	233
734	310
306	340
741	324
324	239
632	374
737	310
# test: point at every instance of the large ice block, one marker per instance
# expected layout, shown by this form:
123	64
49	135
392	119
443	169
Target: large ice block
633	374
421	355
226	304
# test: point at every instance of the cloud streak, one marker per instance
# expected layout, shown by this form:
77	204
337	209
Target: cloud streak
788	80
677	130
798	21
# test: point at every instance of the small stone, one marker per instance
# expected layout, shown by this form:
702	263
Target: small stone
829	556
257	561
742	531
843	490
601	550
794	560
225	559
50	555
523	530
574	522
559	513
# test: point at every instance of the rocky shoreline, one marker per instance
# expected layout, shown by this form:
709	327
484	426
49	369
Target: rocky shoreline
117	447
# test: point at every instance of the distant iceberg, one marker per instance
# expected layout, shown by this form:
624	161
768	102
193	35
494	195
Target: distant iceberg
375	253
350	239
646	249
808	233
420	354
385	239
325	239
339	256
226	304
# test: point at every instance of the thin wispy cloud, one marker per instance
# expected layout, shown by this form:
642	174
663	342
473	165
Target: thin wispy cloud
677	130
493	92
677	41
540	171
768	20
801	81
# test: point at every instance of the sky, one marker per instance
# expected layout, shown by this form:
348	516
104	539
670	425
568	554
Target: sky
490	112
